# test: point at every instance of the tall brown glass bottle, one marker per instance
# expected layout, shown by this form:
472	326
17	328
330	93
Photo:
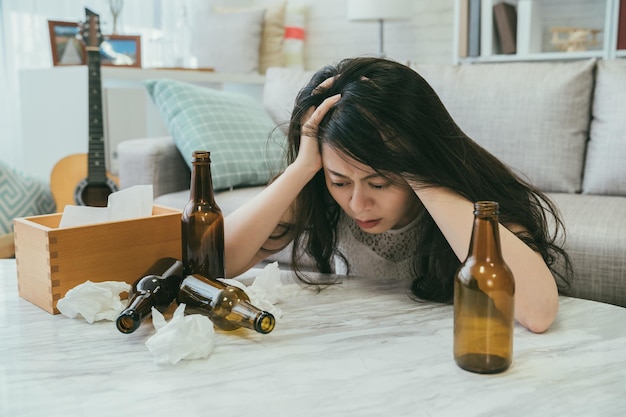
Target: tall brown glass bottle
202	223
228	307
483	299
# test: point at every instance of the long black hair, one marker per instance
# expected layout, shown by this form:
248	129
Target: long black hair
390	119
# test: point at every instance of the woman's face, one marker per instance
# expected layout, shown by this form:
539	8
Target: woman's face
371	200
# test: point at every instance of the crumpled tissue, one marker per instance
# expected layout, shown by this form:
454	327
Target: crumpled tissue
183	337
193	336
264	291
94	301
129	203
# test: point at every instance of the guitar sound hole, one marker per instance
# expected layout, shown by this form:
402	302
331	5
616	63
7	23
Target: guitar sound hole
94	195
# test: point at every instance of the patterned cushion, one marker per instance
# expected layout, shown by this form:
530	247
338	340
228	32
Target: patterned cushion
533	116
21	196
245	148
605	170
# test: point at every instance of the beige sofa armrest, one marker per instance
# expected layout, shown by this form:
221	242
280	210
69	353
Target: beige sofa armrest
154	161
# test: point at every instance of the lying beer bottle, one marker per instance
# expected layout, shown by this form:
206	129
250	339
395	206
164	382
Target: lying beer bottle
227	306
484	291
156	288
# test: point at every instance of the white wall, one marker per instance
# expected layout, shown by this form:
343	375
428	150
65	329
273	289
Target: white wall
426	37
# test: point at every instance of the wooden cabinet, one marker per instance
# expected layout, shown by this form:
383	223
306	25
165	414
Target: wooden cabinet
538	24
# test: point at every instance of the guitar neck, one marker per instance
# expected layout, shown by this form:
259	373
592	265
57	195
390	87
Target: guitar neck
96	170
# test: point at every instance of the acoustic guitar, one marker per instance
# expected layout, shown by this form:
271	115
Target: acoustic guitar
82	179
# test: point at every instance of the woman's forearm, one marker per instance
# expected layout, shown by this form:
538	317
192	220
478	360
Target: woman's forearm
536	295
248	228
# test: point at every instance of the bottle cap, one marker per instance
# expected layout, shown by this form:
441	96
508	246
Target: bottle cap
201	156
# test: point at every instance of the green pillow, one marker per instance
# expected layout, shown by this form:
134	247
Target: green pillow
21	196
245	148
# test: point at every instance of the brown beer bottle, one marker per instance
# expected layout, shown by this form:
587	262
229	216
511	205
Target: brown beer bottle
202	224
483	299
157	288
228	307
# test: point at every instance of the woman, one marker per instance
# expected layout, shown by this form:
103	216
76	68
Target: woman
380	178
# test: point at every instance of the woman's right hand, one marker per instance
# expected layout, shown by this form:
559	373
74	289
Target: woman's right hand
309	154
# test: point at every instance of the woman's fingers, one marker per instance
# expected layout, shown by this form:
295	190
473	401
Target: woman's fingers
314	115
309	153
325	84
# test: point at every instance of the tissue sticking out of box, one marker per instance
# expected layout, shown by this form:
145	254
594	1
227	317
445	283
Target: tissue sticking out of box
183	337
129	203
94	301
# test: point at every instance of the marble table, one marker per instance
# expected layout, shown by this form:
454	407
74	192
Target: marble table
359	348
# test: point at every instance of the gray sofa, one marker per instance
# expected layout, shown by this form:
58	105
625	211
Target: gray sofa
561	125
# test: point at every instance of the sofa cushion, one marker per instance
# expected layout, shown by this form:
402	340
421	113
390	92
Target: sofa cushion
229	42
282	85
605	170
21	196
595	244
227	200
245	148
533	116
271	52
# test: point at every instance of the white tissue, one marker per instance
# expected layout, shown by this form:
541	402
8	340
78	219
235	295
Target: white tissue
94	301
129	203
184	337
264	290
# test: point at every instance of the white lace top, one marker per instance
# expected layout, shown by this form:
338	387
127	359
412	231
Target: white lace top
386	254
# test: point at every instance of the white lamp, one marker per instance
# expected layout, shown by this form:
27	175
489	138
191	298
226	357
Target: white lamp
380	10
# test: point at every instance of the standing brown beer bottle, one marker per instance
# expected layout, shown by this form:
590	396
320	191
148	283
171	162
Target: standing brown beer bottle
202	224
483	299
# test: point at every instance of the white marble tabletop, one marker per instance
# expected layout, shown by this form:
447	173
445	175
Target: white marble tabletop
360	348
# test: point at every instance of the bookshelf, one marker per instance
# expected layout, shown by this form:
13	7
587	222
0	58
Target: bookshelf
538	26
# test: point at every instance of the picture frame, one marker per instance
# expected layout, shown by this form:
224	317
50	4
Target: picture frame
67	49
121	50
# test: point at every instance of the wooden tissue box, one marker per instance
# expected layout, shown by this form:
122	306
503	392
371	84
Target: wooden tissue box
51	261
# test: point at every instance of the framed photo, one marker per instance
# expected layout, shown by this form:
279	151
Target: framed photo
121	50
67	48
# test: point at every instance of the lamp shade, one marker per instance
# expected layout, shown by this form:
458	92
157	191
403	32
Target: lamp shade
379	9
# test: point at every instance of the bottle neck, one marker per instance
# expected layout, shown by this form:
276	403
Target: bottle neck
246	315
202	183
485	241
157	288
130	319
227	306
